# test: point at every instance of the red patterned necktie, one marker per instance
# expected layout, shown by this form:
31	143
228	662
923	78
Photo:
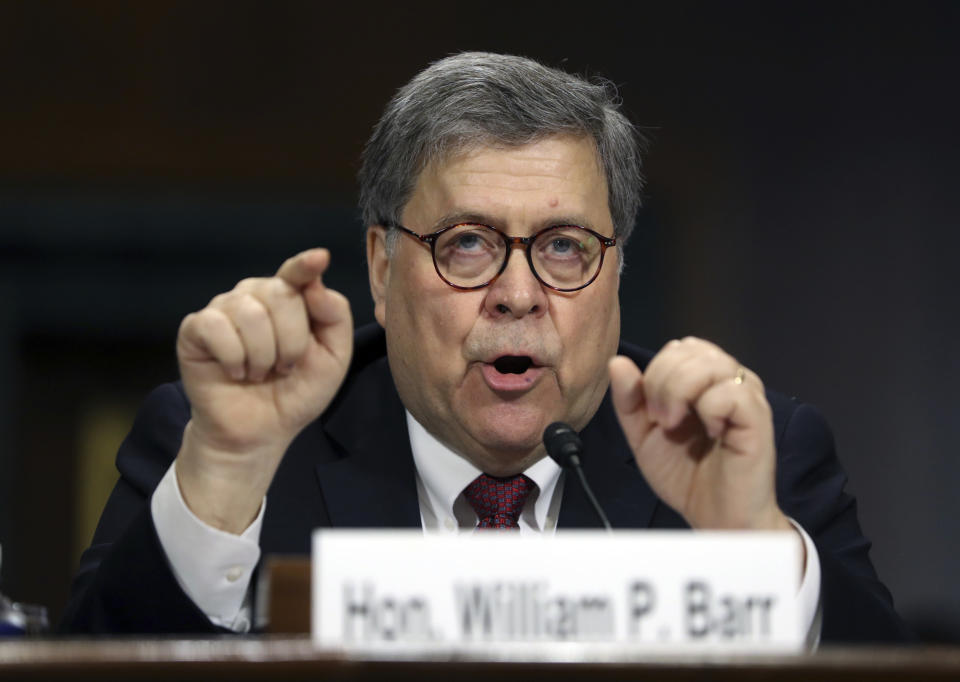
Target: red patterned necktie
498	501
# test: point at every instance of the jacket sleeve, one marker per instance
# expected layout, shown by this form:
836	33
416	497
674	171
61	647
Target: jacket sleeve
124	583
811	487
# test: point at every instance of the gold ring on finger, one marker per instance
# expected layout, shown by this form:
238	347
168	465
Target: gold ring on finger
741	375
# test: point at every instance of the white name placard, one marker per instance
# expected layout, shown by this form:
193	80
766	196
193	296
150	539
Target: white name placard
575	594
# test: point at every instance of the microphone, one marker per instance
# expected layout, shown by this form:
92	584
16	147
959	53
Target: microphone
565	447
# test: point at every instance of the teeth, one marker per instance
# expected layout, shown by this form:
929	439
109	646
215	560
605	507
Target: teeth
512	364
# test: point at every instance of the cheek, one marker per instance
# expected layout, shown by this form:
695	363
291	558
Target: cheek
595	315
607	313
430	322
591	331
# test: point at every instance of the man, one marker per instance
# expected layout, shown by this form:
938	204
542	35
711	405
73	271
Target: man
498	195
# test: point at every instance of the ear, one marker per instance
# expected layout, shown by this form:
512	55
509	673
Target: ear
378	269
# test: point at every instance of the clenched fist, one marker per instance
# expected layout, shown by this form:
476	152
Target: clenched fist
259	363
701	431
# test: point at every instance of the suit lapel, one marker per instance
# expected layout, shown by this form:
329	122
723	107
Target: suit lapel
612	473
374	484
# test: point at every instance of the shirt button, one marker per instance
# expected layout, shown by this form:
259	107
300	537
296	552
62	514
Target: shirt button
234	573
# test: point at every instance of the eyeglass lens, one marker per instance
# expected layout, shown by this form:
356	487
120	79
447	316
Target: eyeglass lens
564	257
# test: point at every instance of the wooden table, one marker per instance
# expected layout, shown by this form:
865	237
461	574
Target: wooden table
295	658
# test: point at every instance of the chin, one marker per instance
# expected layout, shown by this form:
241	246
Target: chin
510	438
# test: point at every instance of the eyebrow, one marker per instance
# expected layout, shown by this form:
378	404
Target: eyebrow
460	217
474	217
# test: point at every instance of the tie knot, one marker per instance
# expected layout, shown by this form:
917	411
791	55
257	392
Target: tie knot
498	501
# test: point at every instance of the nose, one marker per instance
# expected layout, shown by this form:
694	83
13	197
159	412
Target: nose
516	293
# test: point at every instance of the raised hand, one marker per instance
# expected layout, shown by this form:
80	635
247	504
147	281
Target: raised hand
258	363
701	430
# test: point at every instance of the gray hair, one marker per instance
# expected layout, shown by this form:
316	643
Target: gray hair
477	98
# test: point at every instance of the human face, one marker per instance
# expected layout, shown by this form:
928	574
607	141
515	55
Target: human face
443	345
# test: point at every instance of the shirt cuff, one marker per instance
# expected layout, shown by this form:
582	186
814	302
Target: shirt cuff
808	596
211	566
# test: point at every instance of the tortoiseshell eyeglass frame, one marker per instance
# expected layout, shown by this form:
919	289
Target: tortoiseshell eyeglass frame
526	242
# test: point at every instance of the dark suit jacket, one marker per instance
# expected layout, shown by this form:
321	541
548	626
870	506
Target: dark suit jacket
353	468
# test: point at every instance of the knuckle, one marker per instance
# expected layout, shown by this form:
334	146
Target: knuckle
188	325
247	283
198	318
718	356
220	300
249	309
209	322
339	299
276	288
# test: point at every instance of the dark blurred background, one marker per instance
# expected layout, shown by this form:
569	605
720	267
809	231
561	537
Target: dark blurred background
800	212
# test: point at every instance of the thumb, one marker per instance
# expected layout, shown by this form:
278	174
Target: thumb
629	400
626	385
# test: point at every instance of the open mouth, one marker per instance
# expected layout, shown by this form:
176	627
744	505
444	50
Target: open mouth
513	364
512	376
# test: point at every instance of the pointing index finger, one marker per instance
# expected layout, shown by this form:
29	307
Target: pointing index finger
300	270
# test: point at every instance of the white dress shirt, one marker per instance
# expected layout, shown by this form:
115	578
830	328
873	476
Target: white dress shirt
218	577
442	475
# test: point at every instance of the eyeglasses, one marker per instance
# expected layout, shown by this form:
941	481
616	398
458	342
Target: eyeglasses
471	256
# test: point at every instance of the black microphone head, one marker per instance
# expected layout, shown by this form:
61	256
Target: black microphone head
563	444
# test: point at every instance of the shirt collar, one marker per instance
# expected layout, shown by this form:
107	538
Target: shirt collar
444	474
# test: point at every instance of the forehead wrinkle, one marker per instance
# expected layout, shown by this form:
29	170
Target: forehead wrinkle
521	158
568	190
457	154
494	205
531	179
504	180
